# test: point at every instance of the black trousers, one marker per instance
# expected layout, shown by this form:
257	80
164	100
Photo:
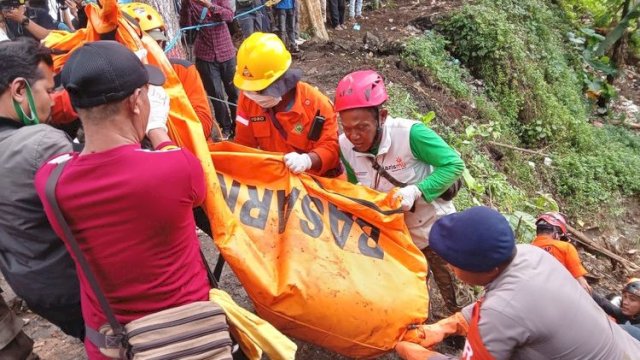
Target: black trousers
287	23
336	8
217	79
68	318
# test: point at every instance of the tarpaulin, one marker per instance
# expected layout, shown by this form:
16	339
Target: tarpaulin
322	260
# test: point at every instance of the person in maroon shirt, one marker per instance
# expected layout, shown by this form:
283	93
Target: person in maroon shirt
215	55
129	209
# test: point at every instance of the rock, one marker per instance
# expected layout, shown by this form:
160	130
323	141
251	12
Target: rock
412	29
391	47
371	41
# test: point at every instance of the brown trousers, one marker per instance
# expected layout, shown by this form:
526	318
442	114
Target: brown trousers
14	343
443	279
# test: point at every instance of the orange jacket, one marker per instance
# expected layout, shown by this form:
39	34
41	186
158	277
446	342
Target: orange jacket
564	252
192	84
254	127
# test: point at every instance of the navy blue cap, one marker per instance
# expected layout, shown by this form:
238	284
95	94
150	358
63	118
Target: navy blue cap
477	239
101	72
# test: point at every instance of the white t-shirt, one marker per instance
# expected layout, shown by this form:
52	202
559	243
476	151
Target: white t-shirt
3	35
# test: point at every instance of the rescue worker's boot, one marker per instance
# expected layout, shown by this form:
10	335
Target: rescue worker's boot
14	343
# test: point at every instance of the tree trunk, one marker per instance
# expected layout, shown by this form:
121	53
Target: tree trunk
311	19
170	13
619	48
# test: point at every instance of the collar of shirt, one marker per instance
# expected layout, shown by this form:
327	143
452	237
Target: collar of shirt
4	121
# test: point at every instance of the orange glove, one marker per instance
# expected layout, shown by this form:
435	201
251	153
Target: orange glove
410	351
430	335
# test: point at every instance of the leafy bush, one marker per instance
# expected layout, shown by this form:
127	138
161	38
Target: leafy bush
400	103
428	52
532	66
602	172
518	49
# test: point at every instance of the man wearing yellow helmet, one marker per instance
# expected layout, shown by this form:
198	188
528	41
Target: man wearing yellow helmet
151	22
278	112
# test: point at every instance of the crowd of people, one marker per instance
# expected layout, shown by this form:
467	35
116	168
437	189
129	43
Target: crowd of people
537	303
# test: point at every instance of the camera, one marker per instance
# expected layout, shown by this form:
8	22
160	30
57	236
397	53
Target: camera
10	4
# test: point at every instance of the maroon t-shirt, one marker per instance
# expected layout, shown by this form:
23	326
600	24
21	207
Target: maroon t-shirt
131	212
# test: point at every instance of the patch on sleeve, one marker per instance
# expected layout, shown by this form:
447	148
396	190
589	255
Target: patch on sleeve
242	120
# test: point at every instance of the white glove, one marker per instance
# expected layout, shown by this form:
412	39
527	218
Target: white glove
297	163
409	194
159	108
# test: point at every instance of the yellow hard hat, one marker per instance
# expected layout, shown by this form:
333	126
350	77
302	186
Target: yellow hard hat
262	59
148	18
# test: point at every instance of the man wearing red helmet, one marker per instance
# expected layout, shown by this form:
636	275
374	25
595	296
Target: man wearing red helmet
382	152
551	229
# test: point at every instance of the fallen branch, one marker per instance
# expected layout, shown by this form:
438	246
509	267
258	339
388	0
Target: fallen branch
630	125
585	240
519	149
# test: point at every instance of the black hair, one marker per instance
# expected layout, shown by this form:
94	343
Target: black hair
375	111
39	4
542	227
21	58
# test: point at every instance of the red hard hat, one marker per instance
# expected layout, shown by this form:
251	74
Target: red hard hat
360	89
555	219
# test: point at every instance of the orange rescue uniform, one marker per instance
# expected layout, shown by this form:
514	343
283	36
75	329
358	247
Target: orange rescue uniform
564	252
193	87
255	128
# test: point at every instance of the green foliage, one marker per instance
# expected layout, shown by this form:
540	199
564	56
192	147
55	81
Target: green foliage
601	12
400	103
534	67
518	49
618	31
604	169
428	52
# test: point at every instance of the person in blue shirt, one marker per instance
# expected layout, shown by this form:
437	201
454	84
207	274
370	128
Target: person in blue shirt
286	13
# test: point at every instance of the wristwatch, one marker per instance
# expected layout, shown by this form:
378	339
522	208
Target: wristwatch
25	22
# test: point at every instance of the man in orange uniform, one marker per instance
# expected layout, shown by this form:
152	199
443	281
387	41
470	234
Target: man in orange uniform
551	231
277	112
152	23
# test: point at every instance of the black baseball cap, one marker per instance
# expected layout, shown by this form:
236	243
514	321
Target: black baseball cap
103	72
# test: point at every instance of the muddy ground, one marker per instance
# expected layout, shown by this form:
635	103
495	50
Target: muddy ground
376	45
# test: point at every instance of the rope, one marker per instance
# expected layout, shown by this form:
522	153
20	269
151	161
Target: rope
222	101
175	39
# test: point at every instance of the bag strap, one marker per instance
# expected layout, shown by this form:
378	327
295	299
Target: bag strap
212	279
382	172
50	190
283	133
276	124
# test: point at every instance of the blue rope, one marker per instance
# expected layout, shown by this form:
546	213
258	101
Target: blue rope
175	39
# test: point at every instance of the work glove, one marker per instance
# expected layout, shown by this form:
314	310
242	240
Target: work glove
410	351
159	108
430	335
410	194
297	163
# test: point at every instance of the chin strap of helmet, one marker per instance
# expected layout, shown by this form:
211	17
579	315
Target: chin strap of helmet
376	139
